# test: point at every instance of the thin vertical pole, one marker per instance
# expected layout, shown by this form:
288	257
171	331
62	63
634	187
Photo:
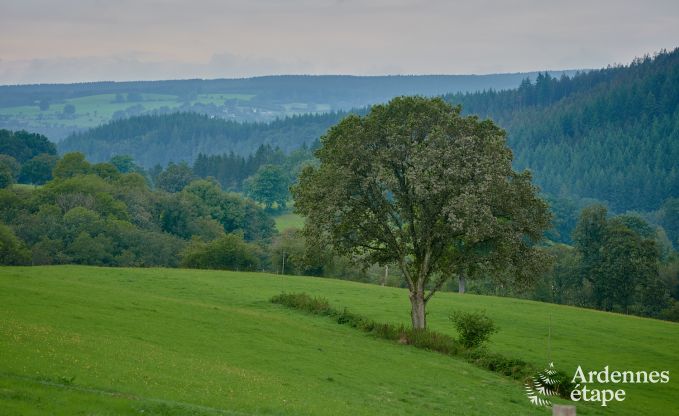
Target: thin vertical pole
549	339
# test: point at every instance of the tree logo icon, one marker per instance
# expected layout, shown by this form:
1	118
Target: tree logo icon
541	387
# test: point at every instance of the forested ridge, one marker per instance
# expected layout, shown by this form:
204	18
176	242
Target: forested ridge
341	91
160	139
610	134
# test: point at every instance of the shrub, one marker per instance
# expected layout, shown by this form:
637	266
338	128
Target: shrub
474	328
304	302
229	252
13	251
431	340
563	384
517	369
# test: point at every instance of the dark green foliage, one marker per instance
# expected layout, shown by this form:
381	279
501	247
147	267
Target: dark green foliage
229	252
473	328
620	264
610	134
620	260
304	302
6	176
160	139
563	284
413	183
565	215
563	385
429	340
668	218
125	164
38	170
12	250
23	146
231	170
94	214
10	165
512	367
205	199
71	164
269	186
175	177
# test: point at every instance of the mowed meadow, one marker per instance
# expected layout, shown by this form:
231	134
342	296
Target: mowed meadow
105	341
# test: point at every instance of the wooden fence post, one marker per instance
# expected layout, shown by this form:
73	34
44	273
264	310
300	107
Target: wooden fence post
561	410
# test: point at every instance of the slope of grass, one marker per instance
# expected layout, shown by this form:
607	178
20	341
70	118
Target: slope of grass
86	340
289	220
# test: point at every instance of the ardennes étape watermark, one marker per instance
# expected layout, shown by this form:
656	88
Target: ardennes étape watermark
581	379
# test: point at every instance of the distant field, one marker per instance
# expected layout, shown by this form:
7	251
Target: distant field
289	220
94	110
25	186
90	111
220	98
87	340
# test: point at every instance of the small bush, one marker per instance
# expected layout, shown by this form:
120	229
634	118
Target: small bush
229	252
302	301
431	340
473	328
563	384
511	367
387	331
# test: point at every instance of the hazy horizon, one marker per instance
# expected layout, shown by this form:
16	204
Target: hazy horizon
85	41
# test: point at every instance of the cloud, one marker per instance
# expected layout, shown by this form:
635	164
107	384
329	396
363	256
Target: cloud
85	40
137	66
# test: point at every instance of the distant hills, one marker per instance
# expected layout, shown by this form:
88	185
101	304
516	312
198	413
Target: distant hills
610	134
58	110
160	139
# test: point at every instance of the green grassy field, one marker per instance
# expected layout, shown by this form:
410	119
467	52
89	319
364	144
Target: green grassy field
91	110
26	186
87	340
289	220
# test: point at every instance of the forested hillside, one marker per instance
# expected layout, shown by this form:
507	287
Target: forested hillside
160	139
610	134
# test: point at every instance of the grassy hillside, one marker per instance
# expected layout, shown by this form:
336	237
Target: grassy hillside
85	340
289	220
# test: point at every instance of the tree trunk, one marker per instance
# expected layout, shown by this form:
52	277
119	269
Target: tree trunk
418	314
461	283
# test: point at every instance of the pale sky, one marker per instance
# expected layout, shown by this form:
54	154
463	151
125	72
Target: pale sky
89	40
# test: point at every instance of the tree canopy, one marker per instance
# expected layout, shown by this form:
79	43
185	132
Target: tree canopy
417	184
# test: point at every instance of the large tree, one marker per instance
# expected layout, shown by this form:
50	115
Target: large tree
416	184
268	186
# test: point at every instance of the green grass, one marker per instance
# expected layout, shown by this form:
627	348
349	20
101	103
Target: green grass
218	99
26	186
87	340
289	220
91	110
